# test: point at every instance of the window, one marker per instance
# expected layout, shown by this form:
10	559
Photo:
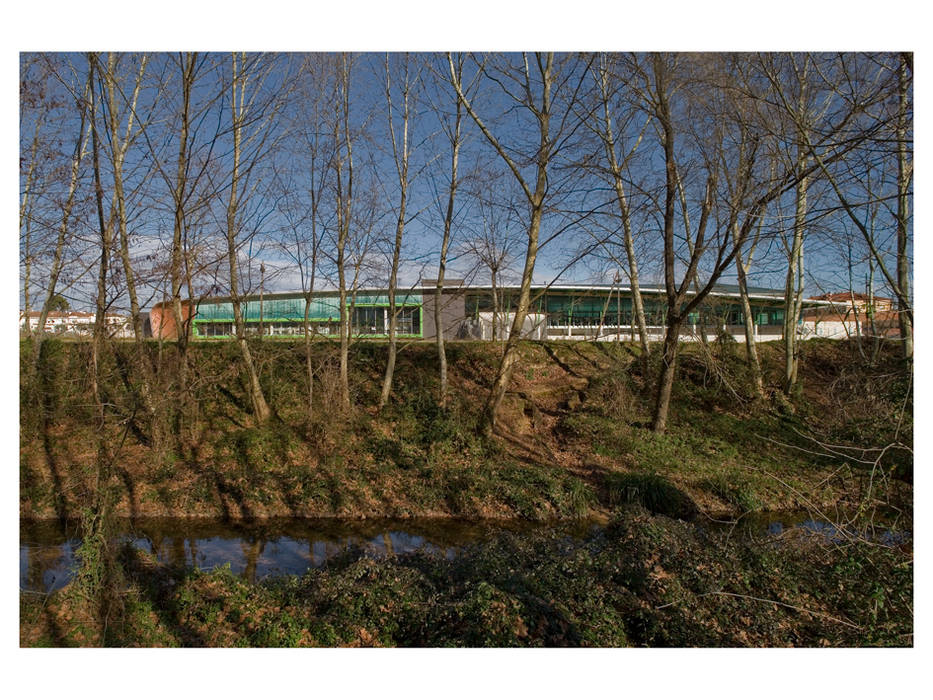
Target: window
368	320
213	330
409	321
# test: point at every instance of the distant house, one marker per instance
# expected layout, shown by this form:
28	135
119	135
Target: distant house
842	302
76	323
850	315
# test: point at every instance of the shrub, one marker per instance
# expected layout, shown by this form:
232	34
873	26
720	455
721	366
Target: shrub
652	491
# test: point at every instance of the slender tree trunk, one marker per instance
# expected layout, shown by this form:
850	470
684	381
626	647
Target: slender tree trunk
668	371
536	199
344	328
602	315
637	302
751	346
261	410
625	214
673	320
510	354
495	303
309	360
875	339
793	286
100	331
751	343
118	149
905	317
393	312
188	68
442	264
262	285
401	163
344	211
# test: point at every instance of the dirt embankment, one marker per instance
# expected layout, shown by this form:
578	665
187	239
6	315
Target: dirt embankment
574	438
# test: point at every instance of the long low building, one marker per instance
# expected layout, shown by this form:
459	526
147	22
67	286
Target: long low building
558	311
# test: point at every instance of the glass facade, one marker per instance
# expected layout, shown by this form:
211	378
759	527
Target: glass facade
285	316
369	312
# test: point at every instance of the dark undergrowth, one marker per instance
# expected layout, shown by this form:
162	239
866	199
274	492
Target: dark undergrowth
642	581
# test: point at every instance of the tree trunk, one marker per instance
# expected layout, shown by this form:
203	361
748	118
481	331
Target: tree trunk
401	162
666	378
442	264
100	332
905	317
625	215
188	67
309	362
261	410
495	303
344	211
118	149
751	346
793	287
510	354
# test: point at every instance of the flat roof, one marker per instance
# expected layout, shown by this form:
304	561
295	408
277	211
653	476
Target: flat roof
720	291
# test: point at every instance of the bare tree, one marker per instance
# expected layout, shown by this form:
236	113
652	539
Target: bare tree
743	263
34	100
401	155
343	183
81	101
861	88
493	247
606	132
106	238
189	64
530	82
454	134
905	169
690	90
243	114
698	95
119	145
315	156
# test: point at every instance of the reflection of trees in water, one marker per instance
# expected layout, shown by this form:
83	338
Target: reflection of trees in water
177	552
181	544
252	550
39	560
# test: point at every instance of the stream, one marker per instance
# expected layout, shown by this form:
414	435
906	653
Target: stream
47	551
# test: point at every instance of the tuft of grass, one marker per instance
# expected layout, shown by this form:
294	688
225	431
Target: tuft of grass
733	488
651	491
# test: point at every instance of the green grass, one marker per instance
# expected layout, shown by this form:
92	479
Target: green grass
725	450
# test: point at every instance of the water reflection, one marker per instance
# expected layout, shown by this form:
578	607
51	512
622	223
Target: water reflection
47	550
292	546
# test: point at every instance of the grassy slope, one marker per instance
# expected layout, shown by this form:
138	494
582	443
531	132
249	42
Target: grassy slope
575	444
575	441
